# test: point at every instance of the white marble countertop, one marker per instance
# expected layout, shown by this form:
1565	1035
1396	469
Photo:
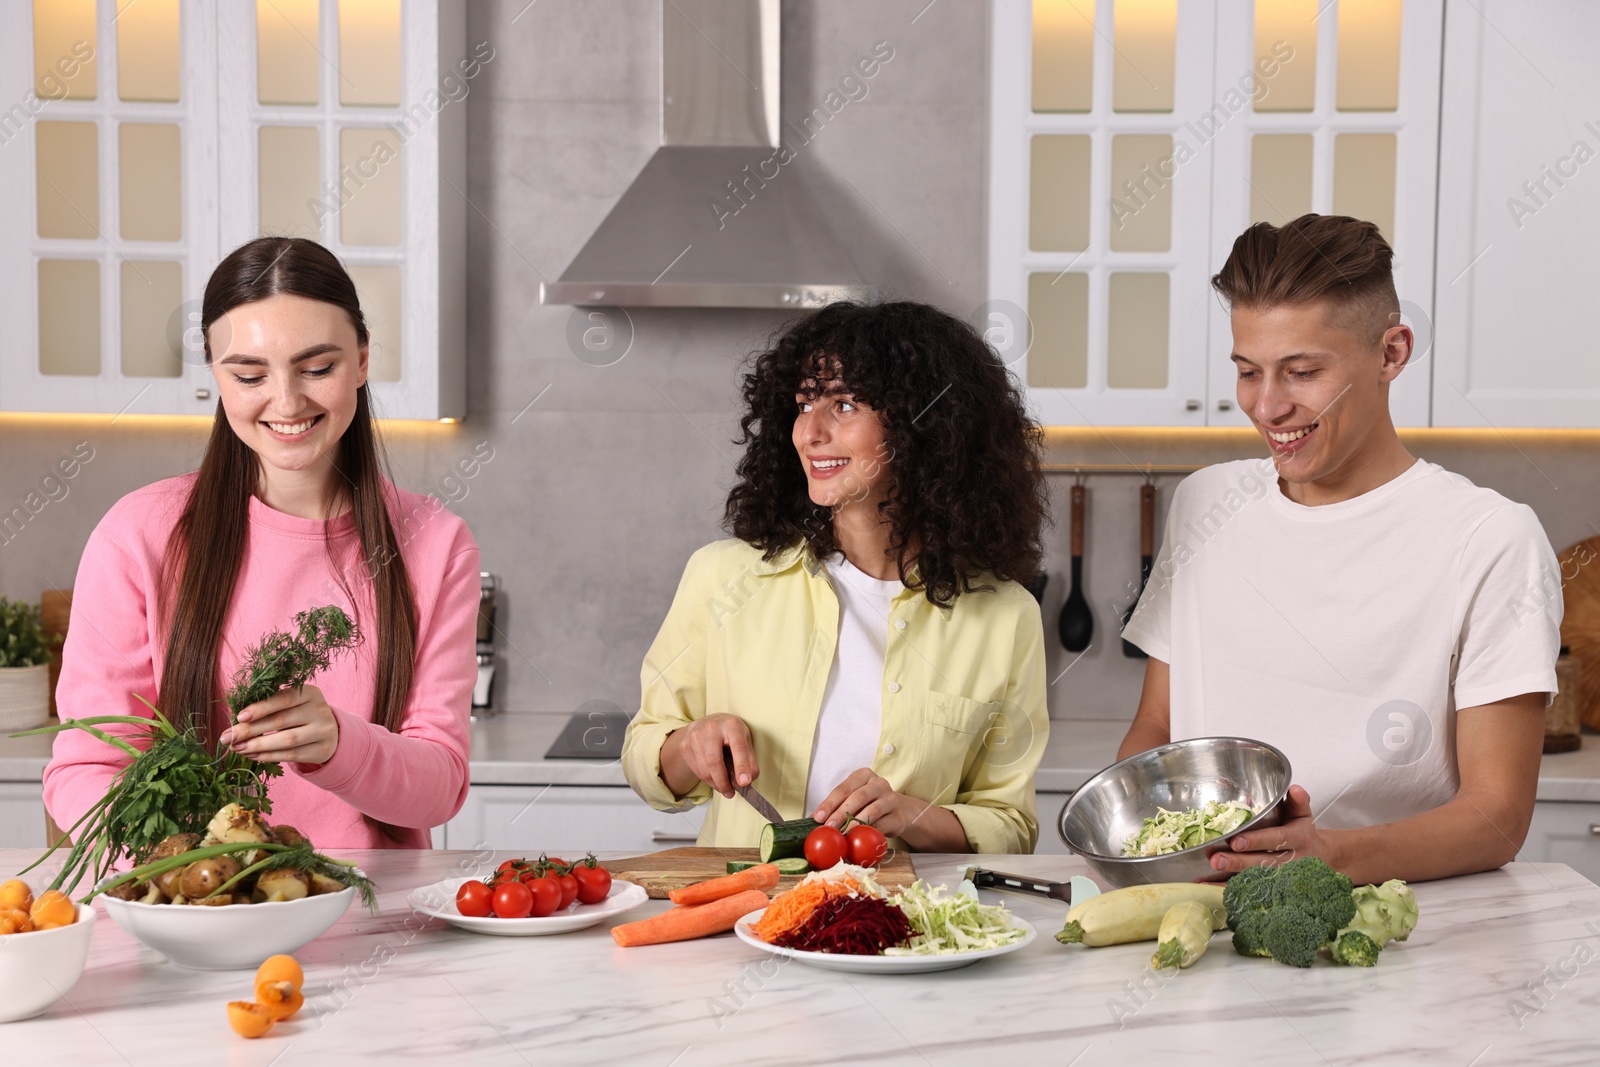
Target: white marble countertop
509	750
396	987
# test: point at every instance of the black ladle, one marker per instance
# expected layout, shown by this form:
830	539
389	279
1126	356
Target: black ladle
1077	622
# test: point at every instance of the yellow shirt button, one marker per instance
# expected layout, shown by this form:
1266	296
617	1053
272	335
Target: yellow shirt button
894	687
888	750
899	624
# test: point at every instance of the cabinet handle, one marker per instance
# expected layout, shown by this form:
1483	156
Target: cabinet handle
1594	828
1224	405
662	837
1191	405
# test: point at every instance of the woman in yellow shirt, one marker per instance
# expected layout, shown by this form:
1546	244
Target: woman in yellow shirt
862	645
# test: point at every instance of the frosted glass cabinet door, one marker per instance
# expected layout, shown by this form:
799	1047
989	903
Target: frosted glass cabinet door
1518	182
150	138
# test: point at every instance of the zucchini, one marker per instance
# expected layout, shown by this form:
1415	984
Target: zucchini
1134	913
787	865
780	840
1184	936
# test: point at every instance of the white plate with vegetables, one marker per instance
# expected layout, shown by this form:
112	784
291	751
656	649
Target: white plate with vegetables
439	901
909	964
945	930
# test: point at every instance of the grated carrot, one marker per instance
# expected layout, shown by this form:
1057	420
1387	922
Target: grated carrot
788	911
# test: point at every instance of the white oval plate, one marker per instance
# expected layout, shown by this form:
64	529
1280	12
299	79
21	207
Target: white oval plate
831	961
439	901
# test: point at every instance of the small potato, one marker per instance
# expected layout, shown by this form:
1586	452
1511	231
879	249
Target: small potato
203	877
283	884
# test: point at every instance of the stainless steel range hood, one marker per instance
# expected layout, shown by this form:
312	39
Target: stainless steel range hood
724	214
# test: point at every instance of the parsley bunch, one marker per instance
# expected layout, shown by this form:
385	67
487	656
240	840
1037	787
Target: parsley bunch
172	784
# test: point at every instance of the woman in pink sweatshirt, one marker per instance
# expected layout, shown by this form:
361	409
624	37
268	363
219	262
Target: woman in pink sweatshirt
289	510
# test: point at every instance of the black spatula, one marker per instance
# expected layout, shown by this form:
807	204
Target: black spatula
1077	622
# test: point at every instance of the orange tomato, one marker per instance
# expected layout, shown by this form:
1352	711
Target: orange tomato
16	894
247	1019
51	909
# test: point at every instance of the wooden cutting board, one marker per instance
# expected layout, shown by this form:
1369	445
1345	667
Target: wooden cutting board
1579	567
661	872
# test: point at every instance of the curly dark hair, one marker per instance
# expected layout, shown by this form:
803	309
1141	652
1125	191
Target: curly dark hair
966	493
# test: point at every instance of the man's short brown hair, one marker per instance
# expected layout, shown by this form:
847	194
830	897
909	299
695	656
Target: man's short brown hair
1335	259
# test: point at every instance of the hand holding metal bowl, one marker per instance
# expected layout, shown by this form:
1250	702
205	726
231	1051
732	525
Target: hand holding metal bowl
1098	818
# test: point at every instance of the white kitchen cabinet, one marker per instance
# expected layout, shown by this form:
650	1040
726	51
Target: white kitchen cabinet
21	815
149	140
564	818
1563	832
1520	186
1131	143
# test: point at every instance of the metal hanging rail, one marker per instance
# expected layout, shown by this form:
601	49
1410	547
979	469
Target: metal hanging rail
1147	470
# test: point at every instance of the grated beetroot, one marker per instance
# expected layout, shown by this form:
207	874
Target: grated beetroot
850	926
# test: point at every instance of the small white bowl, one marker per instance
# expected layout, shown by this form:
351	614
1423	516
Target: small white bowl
40	967
235	937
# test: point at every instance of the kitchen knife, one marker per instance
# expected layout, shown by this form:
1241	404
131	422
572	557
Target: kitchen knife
1018	883
763	807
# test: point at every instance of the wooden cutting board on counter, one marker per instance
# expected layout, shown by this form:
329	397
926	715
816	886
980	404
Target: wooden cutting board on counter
662	872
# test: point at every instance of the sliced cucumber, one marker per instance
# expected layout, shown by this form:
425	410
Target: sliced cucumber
780	840
787	865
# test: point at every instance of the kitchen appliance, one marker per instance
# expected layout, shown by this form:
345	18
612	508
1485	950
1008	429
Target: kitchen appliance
983	878
1185	774
483	690
726	213
595	731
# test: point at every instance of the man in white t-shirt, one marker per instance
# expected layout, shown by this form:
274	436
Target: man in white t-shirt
1387	624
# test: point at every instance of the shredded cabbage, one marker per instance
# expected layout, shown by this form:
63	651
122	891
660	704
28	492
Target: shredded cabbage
1173	831
866	885
941	924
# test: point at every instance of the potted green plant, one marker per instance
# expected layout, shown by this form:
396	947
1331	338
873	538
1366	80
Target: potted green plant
24	667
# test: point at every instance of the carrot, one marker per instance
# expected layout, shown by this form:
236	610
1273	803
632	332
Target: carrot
764	876
686	923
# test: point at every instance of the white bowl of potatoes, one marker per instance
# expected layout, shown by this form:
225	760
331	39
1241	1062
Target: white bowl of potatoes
179	915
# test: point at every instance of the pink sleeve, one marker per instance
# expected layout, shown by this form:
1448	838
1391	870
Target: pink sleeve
417	777
107	659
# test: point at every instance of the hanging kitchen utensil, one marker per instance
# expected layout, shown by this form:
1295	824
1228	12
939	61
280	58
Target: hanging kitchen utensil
1147	544
1077	622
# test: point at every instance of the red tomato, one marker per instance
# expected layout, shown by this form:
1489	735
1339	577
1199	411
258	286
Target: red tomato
474	898
594	883
825	846
546	896
569	887
866	845
555	861
513	901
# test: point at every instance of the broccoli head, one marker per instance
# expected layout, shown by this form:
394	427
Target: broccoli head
1354	948
1314	887
1247	928
1250	890
1293	935
1383	912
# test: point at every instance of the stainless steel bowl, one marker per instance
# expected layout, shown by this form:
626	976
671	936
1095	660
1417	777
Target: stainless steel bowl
1098	818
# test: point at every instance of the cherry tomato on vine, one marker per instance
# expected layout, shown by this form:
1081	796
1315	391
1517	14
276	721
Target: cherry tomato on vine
513	900
474	898
825	846
866	846
546	896
594	882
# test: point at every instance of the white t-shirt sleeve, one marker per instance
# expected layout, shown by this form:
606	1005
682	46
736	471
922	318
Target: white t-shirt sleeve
1511	623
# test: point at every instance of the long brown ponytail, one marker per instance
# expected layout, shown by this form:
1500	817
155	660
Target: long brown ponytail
201	566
